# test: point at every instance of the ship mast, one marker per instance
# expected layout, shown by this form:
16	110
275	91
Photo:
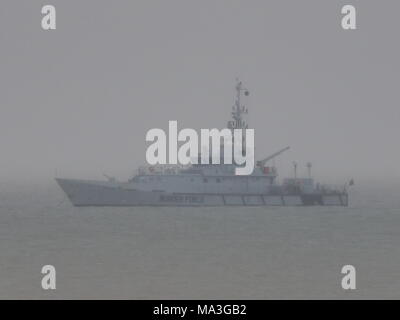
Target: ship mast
238	110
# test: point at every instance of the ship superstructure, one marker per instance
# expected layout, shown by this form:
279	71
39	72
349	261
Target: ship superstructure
205	184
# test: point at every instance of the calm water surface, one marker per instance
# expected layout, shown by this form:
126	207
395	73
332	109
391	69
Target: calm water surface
174	253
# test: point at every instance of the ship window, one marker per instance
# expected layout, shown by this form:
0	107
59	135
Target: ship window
218	180
205	180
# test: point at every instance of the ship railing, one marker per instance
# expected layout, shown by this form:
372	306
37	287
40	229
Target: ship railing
330	189
160	169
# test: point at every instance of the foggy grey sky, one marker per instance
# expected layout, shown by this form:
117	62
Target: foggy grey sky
80	99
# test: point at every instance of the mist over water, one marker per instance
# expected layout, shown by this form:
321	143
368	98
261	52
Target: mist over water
81	98
77	102
228	252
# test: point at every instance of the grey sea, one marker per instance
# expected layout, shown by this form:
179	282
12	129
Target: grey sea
198	253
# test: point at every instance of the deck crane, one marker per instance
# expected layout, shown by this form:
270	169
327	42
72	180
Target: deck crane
262	163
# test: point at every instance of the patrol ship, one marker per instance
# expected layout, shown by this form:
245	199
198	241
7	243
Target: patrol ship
206	184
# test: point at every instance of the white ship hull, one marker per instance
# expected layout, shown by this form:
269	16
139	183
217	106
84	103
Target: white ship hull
209	182
108	193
